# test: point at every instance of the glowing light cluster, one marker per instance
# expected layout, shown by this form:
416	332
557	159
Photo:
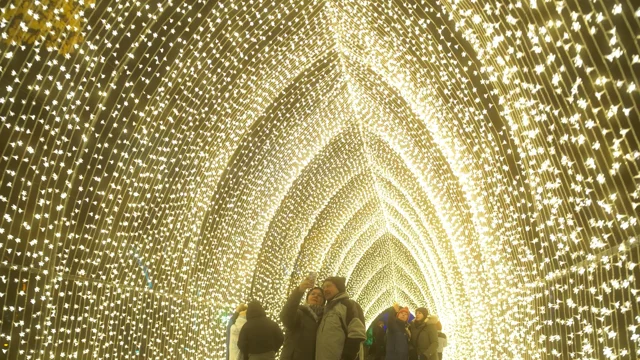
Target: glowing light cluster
163	162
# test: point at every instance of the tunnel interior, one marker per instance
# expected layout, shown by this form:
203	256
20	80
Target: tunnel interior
164	162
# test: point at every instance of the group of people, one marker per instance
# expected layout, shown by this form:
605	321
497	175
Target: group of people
419	339
329	326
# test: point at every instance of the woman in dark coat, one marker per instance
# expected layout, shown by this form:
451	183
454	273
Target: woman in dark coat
424	336
260	338
301	322
398	333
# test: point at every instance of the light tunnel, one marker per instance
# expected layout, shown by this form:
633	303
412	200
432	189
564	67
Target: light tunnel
163	162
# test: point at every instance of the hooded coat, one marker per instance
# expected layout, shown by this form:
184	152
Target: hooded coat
424	338
397	337
260	334
336	339
301	327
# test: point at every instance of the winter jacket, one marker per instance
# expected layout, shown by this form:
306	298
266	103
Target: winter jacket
260	334
234	335
336	339
424	338
232	321
301	327
397	337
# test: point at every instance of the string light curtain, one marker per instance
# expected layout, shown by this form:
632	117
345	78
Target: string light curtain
163	162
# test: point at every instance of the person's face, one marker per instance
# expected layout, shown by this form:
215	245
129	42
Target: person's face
404	316
330	290
419	316
315	297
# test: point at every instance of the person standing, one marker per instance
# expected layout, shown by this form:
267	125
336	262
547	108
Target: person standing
424	336
301	322
442	340
378	348
398	334
233	345
260	338
234	333
341	332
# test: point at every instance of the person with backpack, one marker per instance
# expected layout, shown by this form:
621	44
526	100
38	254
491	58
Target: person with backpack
398	334
260	337
341	331
301	322
424	336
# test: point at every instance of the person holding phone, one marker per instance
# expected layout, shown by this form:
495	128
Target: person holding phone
398	334
301	321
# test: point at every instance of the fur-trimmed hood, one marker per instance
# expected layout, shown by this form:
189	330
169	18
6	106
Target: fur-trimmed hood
432	320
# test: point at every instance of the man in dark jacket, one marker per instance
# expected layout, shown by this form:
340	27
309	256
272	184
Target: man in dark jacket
341	332
260	338
301	322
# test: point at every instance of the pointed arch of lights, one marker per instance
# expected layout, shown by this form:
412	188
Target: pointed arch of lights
163	162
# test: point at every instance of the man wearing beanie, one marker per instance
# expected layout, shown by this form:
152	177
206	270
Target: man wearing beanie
341	331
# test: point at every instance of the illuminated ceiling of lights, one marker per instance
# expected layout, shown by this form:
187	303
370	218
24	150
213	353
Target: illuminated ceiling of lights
163	162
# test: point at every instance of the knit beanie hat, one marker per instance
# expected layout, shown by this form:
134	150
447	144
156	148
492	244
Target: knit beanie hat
404	309
423	311
339	282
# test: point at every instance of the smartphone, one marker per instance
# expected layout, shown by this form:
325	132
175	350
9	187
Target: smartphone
313	276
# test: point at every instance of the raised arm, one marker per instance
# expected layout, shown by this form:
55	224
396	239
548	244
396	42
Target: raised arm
290	315
392	322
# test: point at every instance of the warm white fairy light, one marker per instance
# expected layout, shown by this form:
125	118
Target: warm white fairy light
176	159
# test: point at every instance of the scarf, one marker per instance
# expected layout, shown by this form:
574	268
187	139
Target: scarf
317	310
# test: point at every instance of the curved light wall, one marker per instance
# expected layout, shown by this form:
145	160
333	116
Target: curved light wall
163	162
